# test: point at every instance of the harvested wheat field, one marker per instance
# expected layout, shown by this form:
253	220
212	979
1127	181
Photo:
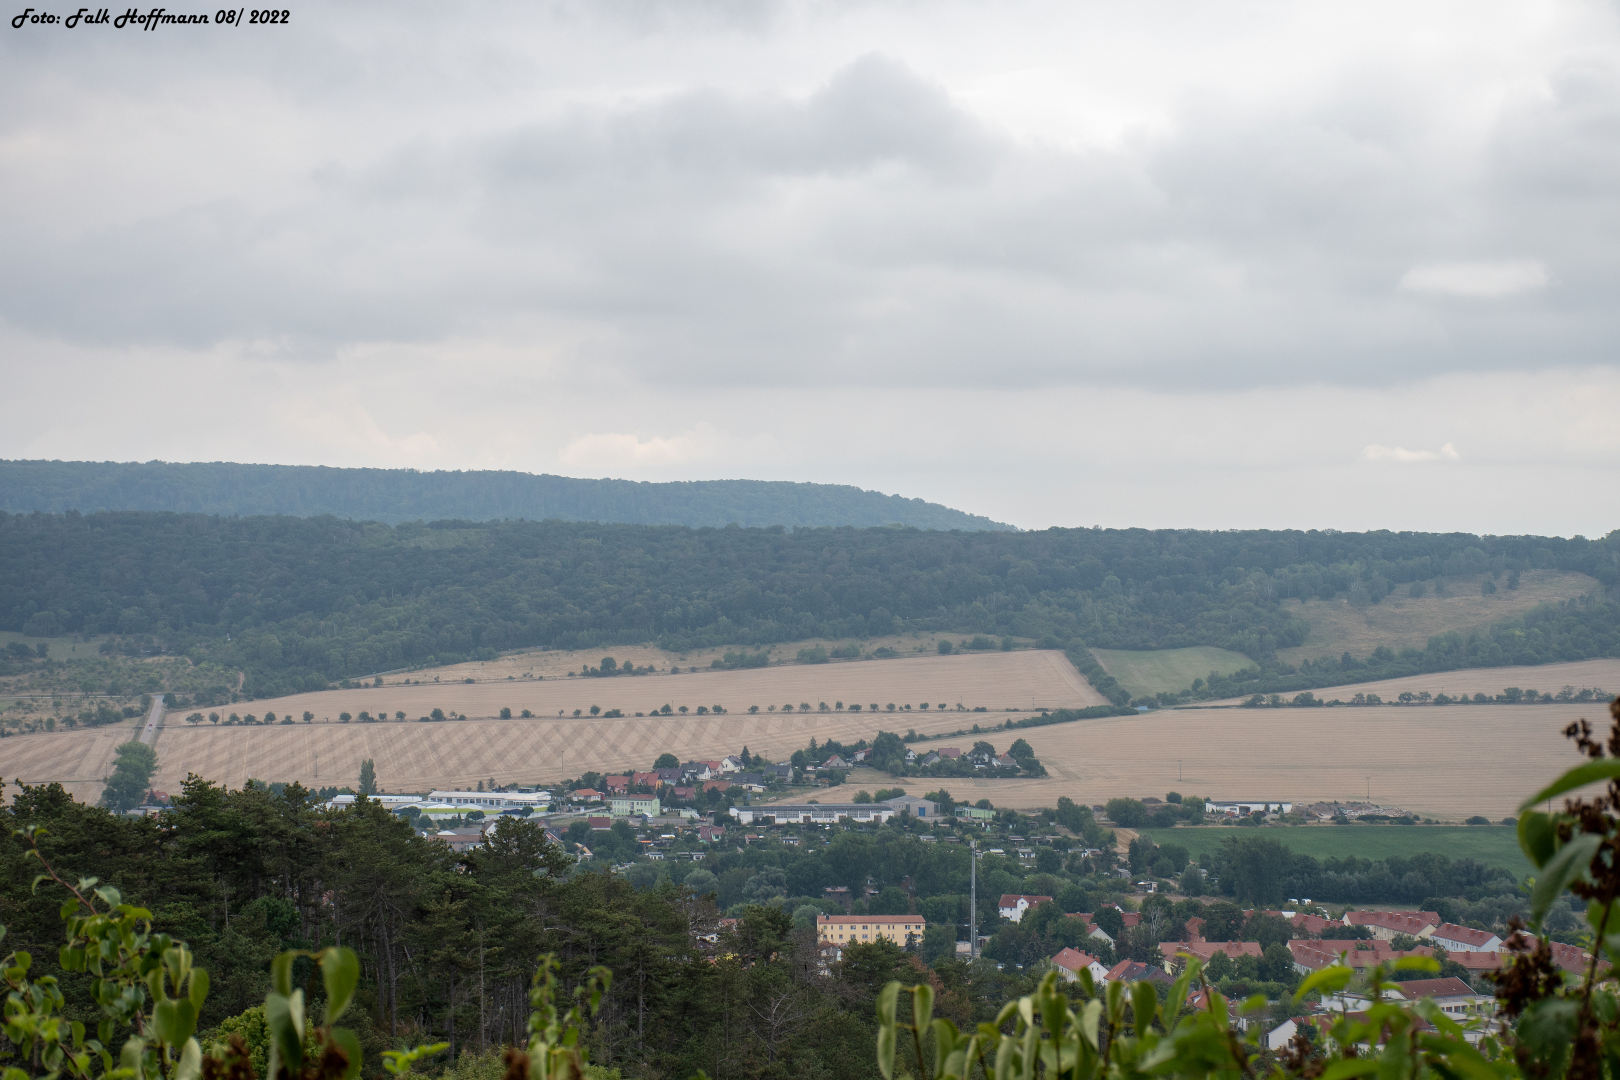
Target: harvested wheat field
997	681
1448	763
415	756
557	663
1547	678
80	760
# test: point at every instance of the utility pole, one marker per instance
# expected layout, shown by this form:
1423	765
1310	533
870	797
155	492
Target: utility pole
973	900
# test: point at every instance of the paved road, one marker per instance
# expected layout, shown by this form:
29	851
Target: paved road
154	722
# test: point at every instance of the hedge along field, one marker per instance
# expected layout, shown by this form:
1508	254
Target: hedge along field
1547	678
1494	845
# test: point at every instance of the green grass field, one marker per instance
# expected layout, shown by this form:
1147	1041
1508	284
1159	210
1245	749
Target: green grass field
1494	845
1149	671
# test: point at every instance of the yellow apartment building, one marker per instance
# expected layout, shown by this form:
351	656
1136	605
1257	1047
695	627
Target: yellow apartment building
848	929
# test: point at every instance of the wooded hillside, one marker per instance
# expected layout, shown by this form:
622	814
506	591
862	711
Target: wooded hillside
395	495
308	600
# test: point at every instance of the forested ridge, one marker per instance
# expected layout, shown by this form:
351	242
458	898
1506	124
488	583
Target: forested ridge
299	602
395	495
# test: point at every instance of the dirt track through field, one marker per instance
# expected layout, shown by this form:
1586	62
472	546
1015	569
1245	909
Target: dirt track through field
414	756
1450	762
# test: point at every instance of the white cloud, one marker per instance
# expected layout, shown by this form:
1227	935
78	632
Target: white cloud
1477	280
703	447
1408	457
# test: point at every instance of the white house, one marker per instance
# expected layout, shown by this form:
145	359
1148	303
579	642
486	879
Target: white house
1278	1037
1071	962
1245	807
1454	938
1013	905
730	765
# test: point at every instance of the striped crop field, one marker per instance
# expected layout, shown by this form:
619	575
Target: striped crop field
413	756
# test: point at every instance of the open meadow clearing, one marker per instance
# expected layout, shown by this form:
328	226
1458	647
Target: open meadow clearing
1400	620
1144	672
1447	763
412	755
1493	845
1547	678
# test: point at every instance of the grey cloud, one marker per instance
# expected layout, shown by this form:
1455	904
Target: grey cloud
870	229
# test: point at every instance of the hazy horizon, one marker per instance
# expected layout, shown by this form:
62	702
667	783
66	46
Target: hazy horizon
1240	265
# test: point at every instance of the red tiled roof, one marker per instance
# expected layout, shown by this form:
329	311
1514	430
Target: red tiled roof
1361	954
1467	935
1401	922
1478	961
1567	957
1427	988
1206	950
1074	960
1312	924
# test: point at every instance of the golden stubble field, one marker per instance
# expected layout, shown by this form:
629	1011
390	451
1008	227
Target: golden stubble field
1019	680
1547	678
80	760
1448	763
415	756
557	663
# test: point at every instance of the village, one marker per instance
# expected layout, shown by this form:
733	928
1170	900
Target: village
639	822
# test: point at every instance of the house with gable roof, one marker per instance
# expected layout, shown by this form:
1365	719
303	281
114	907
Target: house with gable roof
1455	939
1013	905
1071	962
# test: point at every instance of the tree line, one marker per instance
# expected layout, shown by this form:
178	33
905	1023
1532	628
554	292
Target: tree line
298	603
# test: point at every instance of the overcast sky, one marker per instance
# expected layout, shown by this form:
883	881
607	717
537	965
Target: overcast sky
1192	264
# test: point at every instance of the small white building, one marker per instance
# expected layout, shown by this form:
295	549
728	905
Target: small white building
1245	807
813	813
488	801
1013	905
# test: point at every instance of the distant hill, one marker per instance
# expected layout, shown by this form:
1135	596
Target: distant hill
398	495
